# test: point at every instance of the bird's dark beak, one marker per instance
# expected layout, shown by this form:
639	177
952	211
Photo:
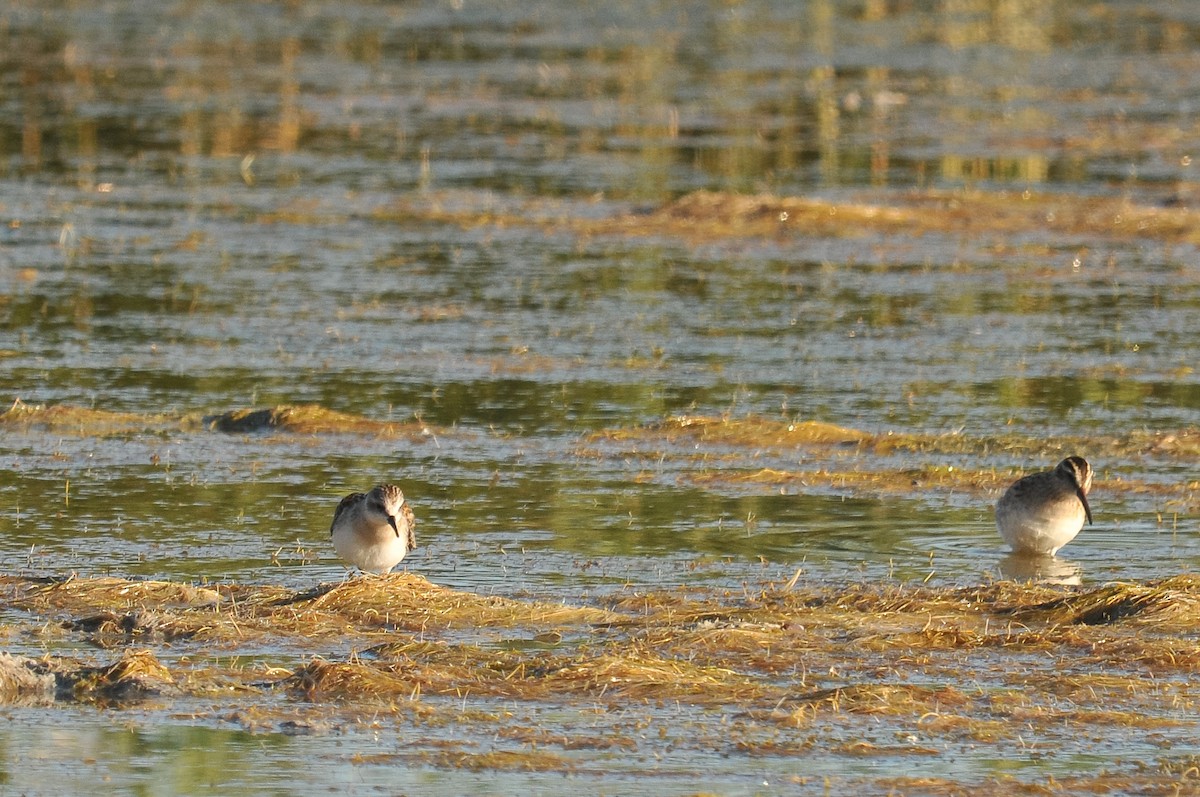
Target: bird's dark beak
1087	510
395	528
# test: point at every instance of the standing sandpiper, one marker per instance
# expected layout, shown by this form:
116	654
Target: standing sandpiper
374	530
1042	512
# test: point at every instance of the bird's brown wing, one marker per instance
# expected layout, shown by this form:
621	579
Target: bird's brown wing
341	507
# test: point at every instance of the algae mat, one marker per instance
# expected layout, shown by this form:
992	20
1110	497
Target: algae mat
873	679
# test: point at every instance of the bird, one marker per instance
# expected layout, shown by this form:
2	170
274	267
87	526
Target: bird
373	531
1040	513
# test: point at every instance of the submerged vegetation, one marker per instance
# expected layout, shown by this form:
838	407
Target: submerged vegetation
705	216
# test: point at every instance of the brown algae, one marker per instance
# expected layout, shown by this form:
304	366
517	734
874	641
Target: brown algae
309	419
984	663
705	216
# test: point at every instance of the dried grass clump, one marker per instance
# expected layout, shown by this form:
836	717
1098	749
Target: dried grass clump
749	646
305	419
859	599
750	431
110	629
871	699
1093	715
309	419
321	679
115	611
884	698
23	680
1160	653
446	671
814	629
81	421
627	671
666	607
137	674
1174	602
112	594
408	601
630	672
707	216
1088	688
905	481
951	636
532	760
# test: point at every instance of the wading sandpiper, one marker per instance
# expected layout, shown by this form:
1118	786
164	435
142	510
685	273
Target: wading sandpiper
1042	512
374	530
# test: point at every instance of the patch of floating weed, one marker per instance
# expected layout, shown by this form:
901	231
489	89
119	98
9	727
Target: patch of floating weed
136	675
307	212
668	607
114	593
951	636
767	433
967	726
545	738
1088	688
973	664
631	672
81	421
321	679
862	748
109	629
775	747
1174	601
902	481
750	431
871	699
1160	653
760	648
403	600
306	419
705	216
918	786
299	419
882	698
23	680
624	672
878	600
365	607
1088	717
531	760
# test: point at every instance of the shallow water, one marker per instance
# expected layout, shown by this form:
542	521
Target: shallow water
205	210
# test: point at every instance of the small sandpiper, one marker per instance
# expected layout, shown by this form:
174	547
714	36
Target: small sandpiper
1042	512
374	530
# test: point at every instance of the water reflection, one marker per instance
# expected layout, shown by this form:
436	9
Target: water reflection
1041	569
759	95
163	758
